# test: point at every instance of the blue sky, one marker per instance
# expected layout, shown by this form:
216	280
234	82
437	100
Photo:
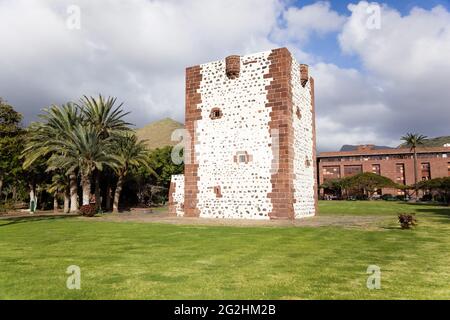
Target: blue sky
372	86
404	6
327	46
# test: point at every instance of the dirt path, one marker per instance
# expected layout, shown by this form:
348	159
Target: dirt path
318	221
365	222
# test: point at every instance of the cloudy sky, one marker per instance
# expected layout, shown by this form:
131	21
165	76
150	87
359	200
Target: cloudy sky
378	74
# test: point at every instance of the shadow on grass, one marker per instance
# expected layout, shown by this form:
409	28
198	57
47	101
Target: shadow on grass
16	220
437	210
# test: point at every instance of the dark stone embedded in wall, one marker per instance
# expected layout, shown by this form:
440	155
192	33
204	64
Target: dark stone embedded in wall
298	113
233	66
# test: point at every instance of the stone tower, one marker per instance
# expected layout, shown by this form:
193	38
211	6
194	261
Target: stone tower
252	140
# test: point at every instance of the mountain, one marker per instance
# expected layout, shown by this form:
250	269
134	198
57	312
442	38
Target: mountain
158	134
349	147
433	142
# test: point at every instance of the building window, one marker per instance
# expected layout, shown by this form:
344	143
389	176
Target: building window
218	191
352	170
243	157
425	170
216	113
376	169
331	172
400	173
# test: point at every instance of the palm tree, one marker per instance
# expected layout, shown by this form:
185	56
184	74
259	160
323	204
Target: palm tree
104	116
131	153
44	137
413	140
85	151
60	185
107	119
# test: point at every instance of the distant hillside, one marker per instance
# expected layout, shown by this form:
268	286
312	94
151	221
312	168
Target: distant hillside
434	142
158	133
349	147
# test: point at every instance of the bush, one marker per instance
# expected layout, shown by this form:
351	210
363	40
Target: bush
88	210
407	220
388	197
7	206
427	197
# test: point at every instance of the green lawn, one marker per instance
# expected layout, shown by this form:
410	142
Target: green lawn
161	261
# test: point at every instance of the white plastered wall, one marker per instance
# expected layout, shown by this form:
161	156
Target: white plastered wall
304	182
244	127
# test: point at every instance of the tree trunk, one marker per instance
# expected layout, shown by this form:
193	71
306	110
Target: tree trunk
14	193
55	202
415	174
1	185
117	193
108	198
98	202
33	199
86	186
66	200
73	192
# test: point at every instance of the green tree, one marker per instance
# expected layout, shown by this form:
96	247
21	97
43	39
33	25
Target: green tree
83	150
11	135
60	185
160	161
336	185
368	182
108	120
441	186
414	140
130	154
45	138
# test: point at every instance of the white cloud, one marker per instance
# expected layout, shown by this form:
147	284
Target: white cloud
300	23
349	107
134	49
407	58
137	50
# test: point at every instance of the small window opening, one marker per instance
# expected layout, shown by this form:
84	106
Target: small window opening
216	113
218	191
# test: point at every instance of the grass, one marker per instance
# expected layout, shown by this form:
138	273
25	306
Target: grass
377	208
161	261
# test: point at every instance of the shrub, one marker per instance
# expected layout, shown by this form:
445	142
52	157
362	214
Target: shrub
387	196
427	197
407	220
88	210
7	206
